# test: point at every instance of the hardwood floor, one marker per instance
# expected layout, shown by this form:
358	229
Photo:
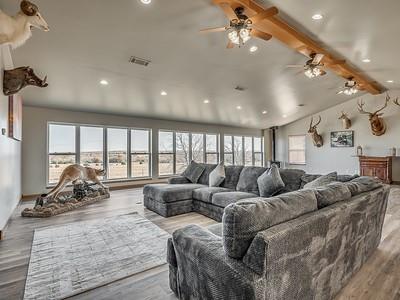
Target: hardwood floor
379	278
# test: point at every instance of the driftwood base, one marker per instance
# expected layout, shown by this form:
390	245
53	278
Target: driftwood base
55	208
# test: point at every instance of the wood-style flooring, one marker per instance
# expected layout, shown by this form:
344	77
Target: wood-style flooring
379	278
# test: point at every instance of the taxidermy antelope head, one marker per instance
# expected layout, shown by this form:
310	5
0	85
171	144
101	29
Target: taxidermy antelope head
16	30
16	79
396	101
378	125
317	139
345	120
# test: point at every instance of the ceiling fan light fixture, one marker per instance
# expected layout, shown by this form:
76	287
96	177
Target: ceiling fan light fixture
312	72
234	37
244	34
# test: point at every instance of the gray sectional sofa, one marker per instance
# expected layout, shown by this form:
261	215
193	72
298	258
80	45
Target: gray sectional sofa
180	196
303	245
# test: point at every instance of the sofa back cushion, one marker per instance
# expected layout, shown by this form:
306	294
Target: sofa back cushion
363	184
332	193
306	178
322	181
248	179
270	182
205	175
232	174
244	219
292	179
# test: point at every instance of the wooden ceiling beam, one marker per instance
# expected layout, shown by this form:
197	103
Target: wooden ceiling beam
303	44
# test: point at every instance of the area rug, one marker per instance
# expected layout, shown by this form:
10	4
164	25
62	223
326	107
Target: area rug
73	258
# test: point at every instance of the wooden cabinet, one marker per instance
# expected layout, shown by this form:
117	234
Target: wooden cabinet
380	167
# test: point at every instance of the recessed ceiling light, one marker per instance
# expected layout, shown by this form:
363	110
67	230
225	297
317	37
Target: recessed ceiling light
366	60
103	82
264	112
389	81
145	1
238	107
317	17
164	93
206	101
284	116
253	49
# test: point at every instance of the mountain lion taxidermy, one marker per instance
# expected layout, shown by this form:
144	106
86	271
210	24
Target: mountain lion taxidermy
73	174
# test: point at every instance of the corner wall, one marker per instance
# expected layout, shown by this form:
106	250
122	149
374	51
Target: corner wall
327	159
35	138
10	153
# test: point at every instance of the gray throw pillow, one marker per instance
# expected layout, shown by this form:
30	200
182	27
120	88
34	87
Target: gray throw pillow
270	183
193	172
217	176
322	181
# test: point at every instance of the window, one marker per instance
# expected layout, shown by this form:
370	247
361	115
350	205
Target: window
228	150
212	149
198	147
91	147
248	151
258	152
140	153
297	149
182	151
238	150
117	144
62	149
166	153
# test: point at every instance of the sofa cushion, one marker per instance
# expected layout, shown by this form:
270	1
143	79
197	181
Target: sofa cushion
217	176
332	193
232	174
270	182
224	199
244	219
307	178
215	229
321	181
248	179
193	171
178	180
206	174
363	184
292	179
205	194
167	193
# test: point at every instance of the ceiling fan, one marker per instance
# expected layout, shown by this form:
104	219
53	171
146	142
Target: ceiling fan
313	67
241	27
351	87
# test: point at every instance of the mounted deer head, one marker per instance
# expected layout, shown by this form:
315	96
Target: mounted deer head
345	120
396	101
378	125
317	139
17	79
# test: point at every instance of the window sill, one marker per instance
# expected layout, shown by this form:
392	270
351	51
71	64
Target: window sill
50	186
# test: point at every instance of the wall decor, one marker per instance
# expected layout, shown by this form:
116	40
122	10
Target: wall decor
345	120
16	30
378	125
317	138
359	151
15	117
396	101
342	139
18	78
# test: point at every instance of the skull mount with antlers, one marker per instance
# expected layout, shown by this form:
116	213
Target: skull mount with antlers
345	120
378	125
317	138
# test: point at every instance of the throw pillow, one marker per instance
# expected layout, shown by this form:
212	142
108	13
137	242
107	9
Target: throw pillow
270	183
217	176
322	181
193	172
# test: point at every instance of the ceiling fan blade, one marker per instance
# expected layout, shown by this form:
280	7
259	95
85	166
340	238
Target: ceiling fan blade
270	12
294	66
317	59
230	13
216	29
261	35
339	93
230	45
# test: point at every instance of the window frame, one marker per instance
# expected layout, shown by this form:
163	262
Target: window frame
131	153
253	152
206	152
304	150
173	153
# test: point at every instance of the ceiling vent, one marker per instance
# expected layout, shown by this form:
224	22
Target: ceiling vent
139	61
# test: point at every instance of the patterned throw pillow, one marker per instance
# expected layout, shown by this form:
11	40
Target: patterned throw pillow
193	172
322	181
270	183
217	176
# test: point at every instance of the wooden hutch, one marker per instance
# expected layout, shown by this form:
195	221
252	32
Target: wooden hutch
380	167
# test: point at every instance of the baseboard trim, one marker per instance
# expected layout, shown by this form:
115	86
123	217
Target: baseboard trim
1	235
396	183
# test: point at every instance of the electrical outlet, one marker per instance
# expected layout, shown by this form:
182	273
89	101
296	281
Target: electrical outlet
3	131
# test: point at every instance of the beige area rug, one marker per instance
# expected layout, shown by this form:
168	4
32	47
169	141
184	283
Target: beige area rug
73	258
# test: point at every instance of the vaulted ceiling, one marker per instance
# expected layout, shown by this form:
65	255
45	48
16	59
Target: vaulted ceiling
91	41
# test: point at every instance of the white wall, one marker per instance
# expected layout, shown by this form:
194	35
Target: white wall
35	130
326	159
10	152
